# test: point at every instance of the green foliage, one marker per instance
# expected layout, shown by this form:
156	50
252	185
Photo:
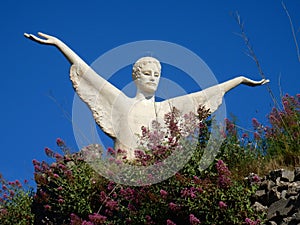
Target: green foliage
283	137
15	203
69	191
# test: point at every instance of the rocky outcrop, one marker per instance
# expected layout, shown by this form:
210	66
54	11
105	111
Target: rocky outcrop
278	196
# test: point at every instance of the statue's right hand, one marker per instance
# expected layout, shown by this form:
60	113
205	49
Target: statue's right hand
47	39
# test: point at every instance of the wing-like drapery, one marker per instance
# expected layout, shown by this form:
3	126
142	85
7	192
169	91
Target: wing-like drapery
211	98
99	95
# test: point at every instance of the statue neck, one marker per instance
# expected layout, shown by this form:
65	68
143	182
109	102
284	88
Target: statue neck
140	95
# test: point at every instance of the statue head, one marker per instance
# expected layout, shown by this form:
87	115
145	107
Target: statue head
146	74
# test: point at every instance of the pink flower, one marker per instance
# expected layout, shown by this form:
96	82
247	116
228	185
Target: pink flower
4	187
12	193
222	205
131	207
60	201
87	223
60	188
59	142
256	136
251	222
194	220
112	205
18	183
173	206
55	175
256	178
62	166
224	180
58	156
255	123
163	193
245	135
47	207
170	222
3	211
49	152
75	220
148	218
35	162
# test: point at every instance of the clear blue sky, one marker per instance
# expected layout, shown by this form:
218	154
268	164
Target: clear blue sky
31	120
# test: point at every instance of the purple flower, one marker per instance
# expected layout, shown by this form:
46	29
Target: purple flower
60	188
245	135
256	178
59	142
256	136
255	123
3	211
148	219
12	193
173	206
47	207
97	218
131	207
163	193
251	222
18	183
222	205
87	223
35	162
170	222
112	205
49	152
224	180
59	157
194	220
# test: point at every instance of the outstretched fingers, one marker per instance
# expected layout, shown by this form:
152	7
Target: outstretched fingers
46	36
43	39
265	81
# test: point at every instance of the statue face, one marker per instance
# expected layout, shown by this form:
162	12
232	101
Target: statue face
149	77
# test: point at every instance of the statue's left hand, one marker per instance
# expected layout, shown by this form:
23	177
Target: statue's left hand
253	83
47	39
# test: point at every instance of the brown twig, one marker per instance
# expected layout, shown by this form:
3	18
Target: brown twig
252	54
293	29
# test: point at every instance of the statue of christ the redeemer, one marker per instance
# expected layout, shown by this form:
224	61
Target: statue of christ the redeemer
121	117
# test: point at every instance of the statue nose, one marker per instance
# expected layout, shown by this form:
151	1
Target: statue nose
152	77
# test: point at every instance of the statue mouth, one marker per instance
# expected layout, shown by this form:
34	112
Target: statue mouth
151	83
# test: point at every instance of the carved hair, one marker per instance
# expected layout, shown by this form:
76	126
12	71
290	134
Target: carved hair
142	62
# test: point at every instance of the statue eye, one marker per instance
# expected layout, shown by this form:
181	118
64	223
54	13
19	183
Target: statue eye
147	73
156	74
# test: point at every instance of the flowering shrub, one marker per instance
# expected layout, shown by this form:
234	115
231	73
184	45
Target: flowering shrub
15	202
69	191
283	137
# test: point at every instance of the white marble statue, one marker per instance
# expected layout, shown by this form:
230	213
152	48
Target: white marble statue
121	117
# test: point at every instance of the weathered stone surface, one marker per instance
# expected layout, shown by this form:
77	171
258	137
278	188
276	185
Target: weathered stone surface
281	207
258	207
279	195
267	184
273	175
287	175
273	196
297	174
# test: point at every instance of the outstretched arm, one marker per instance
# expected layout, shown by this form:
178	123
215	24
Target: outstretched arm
228	85
70	55
210	97
94	90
